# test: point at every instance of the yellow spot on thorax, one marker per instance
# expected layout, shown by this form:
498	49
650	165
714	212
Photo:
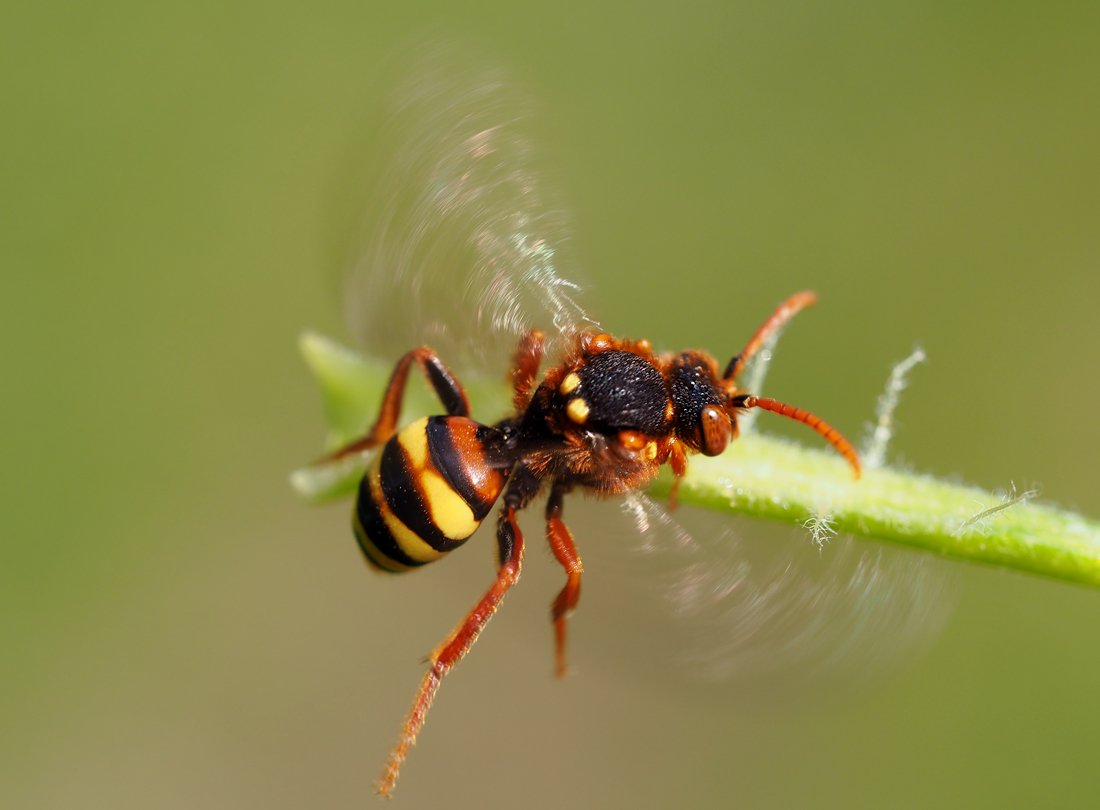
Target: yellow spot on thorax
570	383
577	410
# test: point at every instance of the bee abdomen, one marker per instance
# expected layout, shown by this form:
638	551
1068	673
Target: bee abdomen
426	492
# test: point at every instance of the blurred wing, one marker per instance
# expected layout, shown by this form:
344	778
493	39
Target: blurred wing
463	240
757	602
754	602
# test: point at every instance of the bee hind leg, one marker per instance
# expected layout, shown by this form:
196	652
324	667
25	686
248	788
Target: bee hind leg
458	643
442	380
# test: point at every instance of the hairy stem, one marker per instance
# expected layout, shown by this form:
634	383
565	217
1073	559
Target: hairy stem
771	478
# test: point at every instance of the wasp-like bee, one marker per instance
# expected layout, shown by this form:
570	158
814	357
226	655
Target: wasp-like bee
604	417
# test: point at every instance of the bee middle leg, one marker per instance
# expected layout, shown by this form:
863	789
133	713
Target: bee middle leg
561	543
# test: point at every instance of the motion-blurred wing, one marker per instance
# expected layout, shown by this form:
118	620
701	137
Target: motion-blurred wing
463	240
750	600
753	602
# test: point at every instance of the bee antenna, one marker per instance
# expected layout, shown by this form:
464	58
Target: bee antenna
819	425
783	313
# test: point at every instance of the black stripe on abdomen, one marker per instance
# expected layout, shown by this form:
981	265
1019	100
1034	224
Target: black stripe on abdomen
375	538
454	466
405	499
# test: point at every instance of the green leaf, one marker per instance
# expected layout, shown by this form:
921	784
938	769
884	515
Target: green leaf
769	478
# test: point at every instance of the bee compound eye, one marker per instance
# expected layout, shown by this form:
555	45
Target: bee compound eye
715	430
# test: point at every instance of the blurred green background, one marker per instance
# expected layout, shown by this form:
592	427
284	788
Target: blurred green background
178	182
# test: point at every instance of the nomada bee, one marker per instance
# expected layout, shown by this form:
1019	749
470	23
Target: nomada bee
604	419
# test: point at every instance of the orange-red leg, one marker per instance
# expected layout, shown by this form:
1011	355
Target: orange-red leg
525	366
443	382
565	552
458	643
783	313
677	460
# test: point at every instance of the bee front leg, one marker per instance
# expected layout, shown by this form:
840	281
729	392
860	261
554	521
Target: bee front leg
677	459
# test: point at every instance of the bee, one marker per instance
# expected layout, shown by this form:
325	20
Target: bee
603	417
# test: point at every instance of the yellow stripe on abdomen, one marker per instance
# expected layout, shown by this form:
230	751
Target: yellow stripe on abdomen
449	512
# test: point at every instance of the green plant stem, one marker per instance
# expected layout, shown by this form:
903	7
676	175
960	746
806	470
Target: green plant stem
770	478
